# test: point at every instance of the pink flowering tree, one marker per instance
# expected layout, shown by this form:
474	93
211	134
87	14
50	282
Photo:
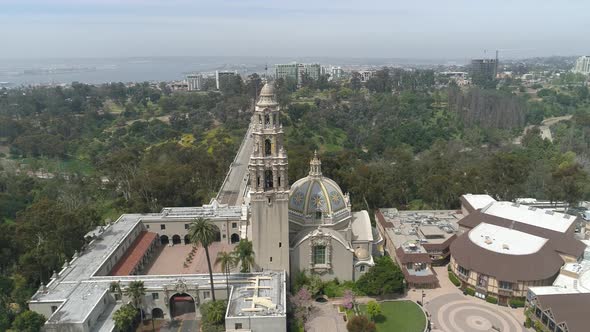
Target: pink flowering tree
302	303
348	299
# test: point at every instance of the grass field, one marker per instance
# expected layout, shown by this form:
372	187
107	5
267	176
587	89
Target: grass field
402	316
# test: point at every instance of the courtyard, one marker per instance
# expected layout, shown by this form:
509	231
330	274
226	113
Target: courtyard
171	259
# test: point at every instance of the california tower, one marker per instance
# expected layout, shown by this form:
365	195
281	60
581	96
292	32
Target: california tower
269	185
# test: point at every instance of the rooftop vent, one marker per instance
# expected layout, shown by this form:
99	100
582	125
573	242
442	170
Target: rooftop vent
549	212
532	208
488	240
505	247
515	204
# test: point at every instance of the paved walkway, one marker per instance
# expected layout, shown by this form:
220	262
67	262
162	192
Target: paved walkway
325	318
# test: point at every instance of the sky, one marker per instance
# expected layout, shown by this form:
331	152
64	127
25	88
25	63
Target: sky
420	29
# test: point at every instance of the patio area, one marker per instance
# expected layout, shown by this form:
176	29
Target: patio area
171	259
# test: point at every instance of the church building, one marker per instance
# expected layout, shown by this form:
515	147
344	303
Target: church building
310	226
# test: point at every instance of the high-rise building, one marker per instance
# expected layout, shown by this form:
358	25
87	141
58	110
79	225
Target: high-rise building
269	186
298	71
195	82
285	71
220	76
484	69
582	65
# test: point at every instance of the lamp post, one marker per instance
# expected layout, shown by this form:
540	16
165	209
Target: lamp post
422	298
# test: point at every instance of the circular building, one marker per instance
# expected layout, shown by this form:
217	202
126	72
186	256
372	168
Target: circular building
506	248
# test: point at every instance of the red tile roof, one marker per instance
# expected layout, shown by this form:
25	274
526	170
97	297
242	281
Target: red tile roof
134	254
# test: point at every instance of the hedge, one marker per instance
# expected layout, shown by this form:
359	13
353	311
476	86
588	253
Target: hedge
517	302
454	279
470	291
492	300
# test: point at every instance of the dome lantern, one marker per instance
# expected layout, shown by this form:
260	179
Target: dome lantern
315	166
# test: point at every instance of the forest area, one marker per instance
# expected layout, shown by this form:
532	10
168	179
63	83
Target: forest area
73	157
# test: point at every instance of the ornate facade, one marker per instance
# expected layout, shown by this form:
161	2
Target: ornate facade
310	226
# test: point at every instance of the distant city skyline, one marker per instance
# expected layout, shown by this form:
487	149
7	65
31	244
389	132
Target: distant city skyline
427	29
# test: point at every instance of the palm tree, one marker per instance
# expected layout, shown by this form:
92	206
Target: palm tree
115	287
245	255
227	261
136	292
203	231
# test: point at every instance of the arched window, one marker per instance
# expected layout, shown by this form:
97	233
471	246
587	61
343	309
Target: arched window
268	179
267	147
258	181
267	119
259	119
318	215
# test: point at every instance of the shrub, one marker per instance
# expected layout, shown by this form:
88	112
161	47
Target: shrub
360	324
384	278
528	323
517	302
470	291
492	300
454	279
213	314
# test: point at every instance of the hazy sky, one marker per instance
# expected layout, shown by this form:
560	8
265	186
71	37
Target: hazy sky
345	28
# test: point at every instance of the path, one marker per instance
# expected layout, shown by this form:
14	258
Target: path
235	182
325	318
544	127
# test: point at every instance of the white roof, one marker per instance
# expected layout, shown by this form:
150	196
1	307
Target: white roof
505	240
361	226
547	219
478	201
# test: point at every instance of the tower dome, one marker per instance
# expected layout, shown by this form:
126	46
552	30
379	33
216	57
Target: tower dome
267	96
317	198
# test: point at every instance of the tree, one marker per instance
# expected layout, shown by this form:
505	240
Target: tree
360	324
212	314
227	261
125	318
302	303
202	231
382	279
245	255
28	321
373	309
136	291
115	287
216	312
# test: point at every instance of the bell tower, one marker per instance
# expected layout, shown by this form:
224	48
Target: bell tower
269	186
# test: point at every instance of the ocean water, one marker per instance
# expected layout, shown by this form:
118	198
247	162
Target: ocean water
17	72
102	70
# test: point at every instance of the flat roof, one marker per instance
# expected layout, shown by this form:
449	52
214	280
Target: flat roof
406	226
505	240
554	221
478	201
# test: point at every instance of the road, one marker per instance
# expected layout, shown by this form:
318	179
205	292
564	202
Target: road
544	127
235	183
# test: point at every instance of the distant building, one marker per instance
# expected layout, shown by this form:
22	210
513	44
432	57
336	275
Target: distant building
195	82
297	71
582	65
484	69
221	75
366	75
179	86
337	72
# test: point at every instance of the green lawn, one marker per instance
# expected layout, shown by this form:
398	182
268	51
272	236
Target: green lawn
402	316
